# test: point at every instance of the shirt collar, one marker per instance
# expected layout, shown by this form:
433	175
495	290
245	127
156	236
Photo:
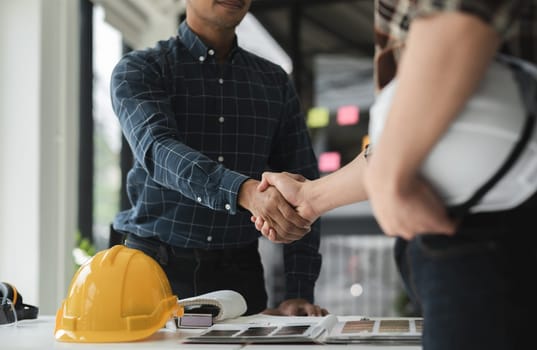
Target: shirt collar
197	47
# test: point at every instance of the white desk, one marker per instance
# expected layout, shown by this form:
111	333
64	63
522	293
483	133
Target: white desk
39	334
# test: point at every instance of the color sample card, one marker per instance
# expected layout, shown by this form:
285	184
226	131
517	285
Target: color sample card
377	330
419	325
292	330
221	332
257	331
394	326
328	329
308	331
358	326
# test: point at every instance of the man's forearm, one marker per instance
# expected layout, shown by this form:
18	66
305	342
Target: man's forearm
339	188
440	69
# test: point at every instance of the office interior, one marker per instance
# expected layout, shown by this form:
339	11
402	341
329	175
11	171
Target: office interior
64	160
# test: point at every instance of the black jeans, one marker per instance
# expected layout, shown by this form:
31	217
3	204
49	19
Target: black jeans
476	289
193	272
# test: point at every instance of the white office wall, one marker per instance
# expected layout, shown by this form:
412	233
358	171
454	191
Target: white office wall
38	147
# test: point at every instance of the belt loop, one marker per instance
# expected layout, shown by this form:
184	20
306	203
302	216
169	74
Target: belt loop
163	255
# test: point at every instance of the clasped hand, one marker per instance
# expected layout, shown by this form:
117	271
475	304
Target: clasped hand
291	188
419	211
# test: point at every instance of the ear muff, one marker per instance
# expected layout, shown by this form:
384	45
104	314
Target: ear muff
24	311
4	291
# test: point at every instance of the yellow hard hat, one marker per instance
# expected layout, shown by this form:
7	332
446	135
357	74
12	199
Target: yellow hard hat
120	294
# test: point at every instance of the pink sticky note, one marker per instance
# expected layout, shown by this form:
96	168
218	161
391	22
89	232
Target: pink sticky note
348	115
329	161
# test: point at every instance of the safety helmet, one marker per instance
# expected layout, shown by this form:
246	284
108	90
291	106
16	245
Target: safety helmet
120	294
487	159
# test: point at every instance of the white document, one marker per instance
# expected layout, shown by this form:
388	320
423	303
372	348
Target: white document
229	303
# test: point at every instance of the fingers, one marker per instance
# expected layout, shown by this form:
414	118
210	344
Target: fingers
258	222
288	185
269	233
265	183
280	216
291	215
263	227
413	212
297	177
424	222
291	222
273	236
270	178
314	310
300	307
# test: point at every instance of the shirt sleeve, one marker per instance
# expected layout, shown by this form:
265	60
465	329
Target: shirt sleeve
500	14
141	102
293	152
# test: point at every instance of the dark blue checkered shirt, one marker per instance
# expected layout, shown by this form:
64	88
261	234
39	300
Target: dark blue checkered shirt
198	129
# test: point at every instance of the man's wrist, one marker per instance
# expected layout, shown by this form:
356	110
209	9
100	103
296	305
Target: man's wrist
245	191
312	200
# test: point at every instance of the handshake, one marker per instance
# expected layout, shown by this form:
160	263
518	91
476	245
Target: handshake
281	208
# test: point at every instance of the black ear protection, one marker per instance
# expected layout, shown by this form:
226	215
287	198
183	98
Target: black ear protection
24	311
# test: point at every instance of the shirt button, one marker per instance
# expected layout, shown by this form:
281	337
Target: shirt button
211	52
202	58
221	81
220	158
209	238
227	206
199	199
221	119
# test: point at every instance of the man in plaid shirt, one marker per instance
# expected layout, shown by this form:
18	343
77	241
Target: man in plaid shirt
204	118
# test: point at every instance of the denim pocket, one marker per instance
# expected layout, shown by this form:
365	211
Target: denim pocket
444	247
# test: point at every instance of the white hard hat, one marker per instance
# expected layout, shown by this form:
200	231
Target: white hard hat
487	159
